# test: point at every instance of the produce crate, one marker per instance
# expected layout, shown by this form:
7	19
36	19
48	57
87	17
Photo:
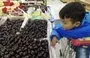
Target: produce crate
31	41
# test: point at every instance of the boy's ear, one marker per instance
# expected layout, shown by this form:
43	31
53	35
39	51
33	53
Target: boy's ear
77	24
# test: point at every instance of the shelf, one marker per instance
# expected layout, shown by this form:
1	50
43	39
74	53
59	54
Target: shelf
33	2
84	1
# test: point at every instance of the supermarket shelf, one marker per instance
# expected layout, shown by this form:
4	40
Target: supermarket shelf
33	2
16	17
86	3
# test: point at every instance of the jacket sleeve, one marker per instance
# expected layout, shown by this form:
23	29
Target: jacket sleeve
55	32
86	18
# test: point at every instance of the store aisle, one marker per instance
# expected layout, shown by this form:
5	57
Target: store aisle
56	6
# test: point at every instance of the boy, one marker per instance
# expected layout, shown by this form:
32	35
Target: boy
75	27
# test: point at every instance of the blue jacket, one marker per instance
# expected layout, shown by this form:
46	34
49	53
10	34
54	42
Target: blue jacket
82	31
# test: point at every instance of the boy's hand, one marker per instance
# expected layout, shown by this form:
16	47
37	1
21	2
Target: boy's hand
53	41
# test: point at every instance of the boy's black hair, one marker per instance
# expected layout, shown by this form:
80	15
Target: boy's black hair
73	10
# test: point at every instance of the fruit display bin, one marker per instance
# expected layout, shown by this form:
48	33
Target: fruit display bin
20	39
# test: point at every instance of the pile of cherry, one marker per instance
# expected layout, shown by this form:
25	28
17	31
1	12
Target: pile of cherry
28	43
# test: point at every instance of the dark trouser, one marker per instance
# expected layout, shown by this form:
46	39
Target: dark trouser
82	52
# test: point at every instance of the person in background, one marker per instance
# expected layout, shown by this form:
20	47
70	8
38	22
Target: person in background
75	26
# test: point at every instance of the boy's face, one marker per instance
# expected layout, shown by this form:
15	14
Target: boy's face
67	24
